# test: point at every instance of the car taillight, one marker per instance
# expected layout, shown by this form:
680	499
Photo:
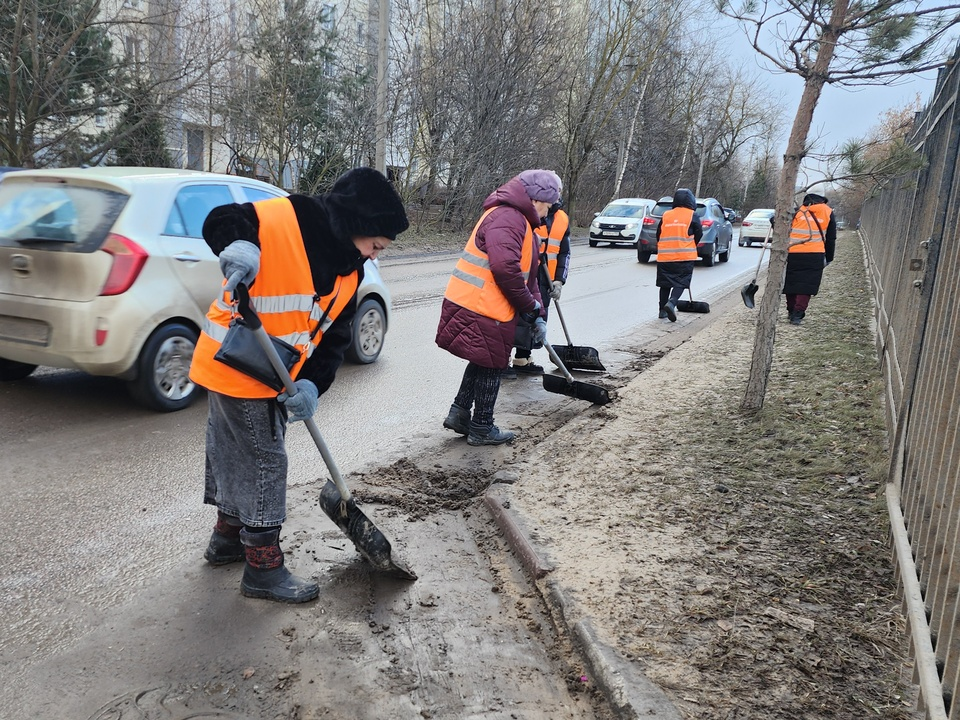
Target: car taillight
128	260
706	223
746	223
648	221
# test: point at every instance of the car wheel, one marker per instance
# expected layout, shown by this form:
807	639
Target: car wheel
593	243
163	370
369	331
643	257
725	256
740	242
12	370
708	259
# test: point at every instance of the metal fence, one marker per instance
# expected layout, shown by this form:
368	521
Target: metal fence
912	253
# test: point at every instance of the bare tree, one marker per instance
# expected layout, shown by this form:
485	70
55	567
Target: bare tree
838	43
479	75
69	70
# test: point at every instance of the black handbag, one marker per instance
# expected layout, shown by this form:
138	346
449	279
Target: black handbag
241	351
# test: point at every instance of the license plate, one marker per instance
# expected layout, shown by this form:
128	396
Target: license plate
611	234
22	330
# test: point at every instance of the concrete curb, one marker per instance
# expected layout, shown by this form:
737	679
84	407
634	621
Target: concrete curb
629	693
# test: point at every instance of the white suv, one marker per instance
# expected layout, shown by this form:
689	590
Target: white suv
104	270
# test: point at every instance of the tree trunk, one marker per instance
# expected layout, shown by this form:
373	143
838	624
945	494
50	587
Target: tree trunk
630	135
766	331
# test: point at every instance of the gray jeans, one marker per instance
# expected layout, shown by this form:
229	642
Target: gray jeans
246	460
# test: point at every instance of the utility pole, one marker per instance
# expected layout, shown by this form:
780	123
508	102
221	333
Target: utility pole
383	41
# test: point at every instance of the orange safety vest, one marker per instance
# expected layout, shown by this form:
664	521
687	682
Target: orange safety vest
550	241
472	285
805	235
676	244
284	298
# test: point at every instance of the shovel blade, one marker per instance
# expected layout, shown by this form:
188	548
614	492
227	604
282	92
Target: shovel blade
579	357
693	306
367	539
579	390
747	293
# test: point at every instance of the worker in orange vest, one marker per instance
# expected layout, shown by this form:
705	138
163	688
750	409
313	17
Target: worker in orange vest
493	286
813	239
678	233
554	238
302	259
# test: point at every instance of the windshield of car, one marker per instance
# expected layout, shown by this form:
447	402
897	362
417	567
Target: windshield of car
615	210
58	217
760	214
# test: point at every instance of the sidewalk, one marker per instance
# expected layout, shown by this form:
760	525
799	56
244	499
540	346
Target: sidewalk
713	565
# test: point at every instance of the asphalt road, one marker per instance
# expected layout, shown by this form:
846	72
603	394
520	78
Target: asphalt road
102	514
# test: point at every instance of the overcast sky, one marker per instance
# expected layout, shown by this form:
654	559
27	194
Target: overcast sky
842	113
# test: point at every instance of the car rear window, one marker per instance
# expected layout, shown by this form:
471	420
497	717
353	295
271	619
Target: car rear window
57	216
660	208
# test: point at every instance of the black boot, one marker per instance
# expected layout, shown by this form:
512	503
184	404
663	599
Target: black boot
458	420
488	435
671	310
225	546
265	576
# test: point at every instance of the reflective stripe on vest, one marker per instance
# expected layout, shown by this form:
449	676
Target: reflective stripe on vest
550	241
472	285
284	298
676	244
805	236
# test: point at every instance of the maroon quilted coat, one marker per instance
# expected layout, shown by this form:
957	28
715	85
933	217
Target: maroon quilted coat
472	336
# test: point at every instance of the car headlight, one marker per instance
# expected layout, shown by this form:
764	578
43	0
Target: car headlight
594	225
630	226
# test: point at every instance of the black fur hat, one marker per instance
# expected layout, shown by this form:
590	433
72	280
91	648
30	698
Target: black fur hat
363	202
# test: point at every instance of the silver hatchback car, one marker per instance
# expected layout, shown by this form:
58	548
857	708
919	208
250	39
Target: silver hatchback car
104	270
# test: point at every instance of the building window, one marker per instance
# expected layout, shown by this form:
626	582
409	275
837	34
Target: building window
251	78
131	46
327	16
194	149
360	34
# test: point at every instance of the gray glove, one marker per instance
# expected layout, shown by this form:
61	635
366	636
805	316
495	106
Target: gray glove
239	263
302	405
539	333
555	289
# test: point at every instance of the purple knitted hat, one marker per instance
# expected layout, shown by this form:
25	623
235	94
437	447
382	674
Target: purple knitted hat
541	185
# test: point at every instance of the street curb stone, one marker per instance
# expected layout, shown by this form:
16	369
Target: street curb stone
629	693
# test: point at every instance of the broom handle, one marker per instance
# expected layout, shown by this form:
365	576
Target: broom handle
253	320
558	362
562	323
766	243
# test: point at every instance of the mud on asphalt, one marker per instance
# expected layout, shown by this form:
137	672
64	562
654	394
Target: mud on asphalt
474	637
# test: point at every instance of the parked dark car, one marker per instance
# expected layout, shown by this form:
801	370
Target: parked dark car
717	237
647	242
717	231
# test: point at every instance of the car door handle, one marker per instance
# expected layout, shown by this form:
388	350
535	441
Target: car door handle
187	257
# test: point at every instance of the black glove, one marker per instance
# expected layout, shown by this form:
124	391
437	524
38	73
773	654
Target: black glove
531	317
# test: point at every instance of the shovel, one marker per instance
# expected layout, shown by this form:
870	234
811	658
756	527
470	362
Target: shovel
566	385
750	289
577	357
691	305
335	498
